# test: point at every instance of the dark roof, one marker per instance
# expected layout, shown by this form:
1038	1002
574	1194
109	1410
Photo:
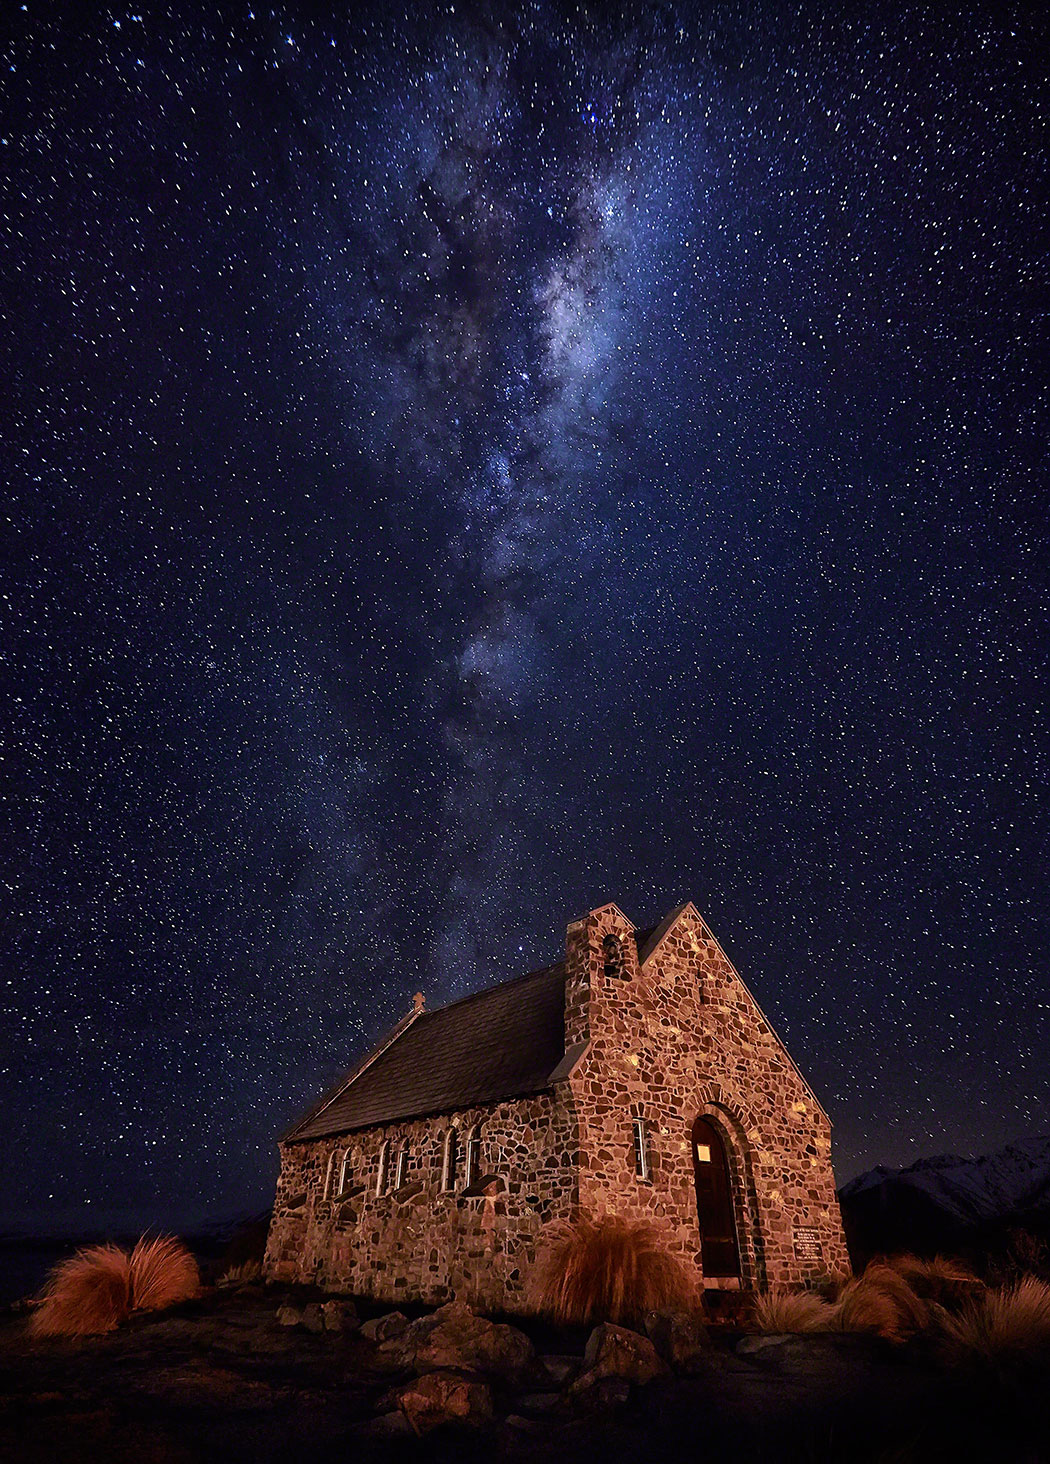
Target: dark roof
642	939
496	1044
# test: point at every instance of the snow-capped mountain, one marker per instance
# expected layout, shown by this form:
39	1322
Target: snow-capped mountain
941	1201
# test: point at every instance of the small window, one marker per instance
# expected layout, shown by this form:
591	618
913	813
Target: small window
402	1169
703	1153
332	1177
346	1173
641	1149
474	1157
382	1178
450	1160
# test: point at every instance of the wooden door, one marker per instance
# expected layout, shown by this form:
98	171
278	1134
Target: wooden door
714	1202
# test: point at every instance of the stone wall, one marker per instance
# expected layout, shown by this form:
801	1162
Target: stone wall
420	1241
679	1038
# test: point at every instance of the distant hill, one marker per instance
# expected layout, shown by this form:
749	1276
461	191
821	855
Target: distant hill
968	1206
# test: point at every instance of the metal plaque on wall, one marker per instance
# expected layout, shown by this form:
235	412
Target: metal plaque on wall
807	1243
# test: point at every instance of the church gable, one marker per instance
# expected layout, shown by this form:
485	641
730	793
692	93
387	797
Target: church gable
686	964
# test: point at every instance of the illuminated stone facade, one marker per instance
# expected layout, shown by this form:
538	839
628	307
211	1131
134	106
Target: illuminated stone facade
658	1028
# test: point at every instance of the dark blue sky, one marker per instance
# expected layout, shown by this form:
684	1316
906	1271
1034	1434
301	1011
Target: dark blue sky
471	464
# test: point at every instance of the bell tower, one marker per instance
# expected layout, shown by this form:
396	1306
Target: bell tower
600	954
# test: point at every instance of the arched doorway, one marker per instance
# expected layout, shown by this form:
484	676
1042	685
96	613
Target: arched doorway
720	1253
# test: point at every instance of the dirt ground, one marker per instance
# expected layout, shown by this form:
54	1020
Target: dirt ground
219	1381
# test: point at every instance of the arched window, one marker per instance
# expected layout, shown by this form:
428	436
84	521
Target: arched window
346	1173
474	1155
331	1179
402	1168
450	1160
383	1176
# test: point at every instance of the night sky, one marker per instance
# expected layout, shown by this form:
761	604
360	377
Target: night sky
472	463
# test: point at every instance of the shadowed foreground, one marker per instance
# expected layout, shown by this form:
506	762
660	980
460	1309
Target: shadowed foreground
221	1379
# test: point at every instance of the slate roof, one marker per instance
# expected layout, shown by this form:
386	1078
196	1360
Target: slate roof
499	1043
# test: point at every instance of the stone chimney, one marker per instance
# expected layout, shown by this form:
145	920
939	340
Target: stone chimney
600	952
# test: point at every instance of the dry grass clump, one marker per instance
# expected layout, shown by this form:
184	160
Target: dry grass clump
243	1275
913	1311
96	1289
1009	1322
87	1293
607	1270
943	1280
863	1306
162	1273
880	1301
780	1310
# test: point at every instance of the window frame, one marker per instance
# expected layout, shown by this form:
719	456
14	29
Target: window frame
401	1169
450	1161
640	1131
383	1172
474	1156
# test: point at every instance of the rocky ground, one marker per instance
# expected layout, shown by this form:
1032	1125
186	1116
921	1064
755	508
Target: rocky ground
268	1374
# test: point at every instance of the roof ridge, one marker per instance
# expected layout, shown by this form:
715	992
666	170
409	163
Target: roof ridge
488	990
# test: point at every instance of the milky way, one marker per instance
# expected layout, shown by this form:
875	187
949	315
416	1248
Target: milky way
471	466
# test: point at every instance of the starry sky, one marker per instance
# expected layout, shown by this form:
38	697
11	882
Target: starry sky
471	462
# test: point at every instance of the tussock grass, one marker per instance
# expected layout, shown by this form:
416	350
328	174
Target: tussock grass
243	1275
87	1293
875	1305
943	1280
1007	1323
609	1270
780	1310
163	1273
96	1289
913	1311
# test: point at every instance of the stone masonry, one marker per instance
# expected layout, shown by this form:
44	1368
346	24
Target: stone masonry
664	1033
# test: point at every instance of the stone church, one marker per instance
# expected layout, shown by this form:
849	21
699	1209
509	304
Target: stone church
636	1077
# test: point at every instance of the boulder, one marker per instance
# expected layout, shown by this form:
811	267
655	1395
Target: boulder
454	1338
385	1328
679	1337
288	1316
444	1397
559	1368
386	1426
600	1395
339	1316
617	1352
312	1317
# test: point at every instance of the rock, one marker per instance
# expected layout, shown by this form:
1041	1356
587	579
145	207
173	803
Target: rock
289	1316
453	1337
339	1316
747	1346
523	1425
386	1426
679	1337
617	1352
385	1328
560	1369
313	1317
443	1397
600	1395
539	1402
615	1358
